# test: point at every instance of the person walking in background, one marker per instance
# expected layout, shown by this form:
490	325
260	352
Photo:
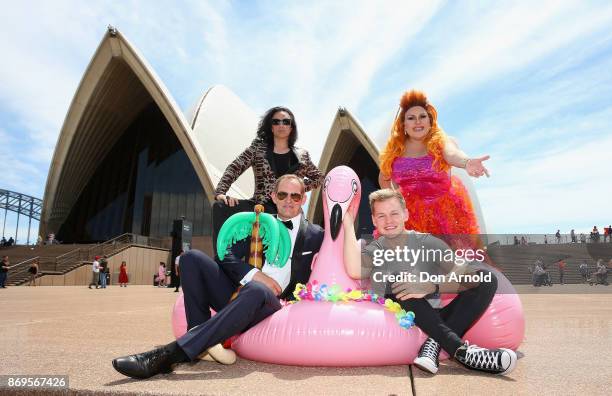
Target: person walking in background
177	271
95	268
558	236
4	267
573	235
123	276
103	272
584	271
545	239
33	271
161	275
561	265
608	233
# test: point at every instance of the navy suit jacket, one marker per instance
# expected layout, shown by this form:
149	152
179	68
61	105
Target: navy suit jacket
307	243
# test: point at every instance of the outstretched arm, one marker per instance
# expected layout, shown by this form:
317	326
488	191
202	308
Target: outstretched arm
457	158
352	249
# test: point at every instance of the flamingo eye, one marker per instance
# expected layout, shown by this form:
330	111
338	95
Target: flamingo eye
355	188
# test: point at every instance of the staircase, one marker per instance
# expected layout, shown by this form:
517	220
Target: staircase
60	259
515	260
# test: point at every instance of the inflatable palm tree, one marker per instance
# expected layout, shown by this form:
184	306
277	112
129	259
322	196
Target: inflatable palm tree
269	237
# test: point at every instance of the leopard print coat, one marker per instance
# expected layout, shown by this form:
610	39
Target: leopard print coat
259	156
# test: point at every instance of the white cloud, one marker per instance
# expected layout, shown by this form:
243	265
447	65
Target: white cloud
568	188
308	56
507	37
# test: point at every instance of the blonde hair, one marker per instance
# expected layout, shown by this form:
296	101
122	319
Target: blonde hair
434	141
383	195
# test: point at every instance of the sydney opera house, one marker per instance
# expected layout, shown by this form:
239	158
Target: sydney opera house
128	159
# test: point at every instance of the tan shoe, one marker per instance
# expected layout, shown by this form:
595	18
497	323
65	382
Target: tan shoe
206	356
219	354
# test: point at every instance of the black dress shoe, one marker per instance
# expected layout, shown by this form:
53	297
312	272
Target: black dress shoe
146	364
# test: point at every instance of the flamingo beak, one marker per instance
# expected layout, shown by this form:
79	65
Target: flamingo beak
335	221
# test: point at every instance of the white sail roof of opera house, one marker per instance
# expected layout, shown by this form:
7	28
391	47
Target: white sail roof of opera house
345	136
118	83
225	126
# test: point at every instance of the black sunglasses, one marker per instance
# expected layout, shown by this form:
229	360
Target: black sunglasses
284	121
296	197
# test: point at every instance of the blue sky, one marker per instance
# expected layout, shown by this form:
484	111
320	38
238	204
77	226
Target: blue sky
531	85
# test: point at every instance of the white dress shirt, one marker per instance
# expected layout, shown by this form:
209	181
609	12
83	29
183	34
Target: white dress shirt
280	275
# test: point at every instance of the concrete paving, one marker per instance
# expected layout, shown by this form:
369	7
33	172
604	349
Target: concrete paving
75	331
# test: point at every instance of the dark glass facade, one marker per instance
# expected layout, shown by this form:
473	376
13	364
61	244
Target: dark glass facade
367	170
144	183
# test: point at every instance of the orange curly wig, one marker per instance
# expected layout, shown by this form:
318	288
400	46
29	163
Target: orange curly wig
396	144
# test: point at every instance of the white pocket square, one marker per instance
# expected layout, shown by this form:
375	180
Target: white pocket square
308	252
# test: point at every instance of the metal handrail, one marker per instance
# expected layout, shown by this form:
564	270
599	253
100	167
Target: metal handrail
119	242
67	253
79	255
21	267
70	257
23	262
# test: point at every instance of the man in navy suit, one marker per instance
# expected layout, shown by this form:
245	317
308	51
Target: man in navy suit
210	284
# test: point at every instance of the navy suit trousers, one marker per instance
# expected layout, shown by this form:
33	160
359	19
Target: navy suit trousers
206	286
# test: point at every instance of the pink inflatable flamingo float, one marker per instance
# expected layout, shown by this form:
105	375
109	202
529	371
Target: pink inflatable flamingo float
313	333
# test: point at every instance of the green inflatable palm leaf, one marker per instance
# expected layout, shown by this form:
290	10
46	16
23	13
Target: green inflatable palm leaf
274	236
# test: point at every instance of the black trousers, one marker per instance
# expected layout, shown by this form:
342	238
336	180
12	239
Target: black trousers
221	212
448	325
206	286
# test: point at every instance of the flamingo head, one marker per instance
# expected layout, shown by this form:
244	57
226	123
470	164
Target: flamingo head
341	193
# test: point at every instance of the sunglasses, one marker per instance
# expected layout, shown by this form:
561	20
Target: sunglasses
284	121
296	197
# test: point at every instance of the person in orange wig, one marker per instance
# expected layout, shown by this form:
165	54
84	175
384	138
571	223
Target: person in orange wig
418	159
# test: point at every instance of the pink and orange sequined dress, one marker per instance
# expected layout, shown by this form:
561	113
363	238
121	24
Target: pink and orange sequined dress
437	203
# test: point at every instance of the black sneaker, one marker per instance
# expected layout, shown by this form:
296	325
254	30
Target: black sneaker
146	364
494	361
429	356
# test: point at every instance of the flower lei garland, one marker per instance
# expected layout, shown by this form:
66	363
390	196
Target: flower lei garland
334	293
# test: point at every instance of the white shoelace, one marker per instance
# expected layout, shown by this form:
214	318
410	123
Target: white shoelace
476	356
431	349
